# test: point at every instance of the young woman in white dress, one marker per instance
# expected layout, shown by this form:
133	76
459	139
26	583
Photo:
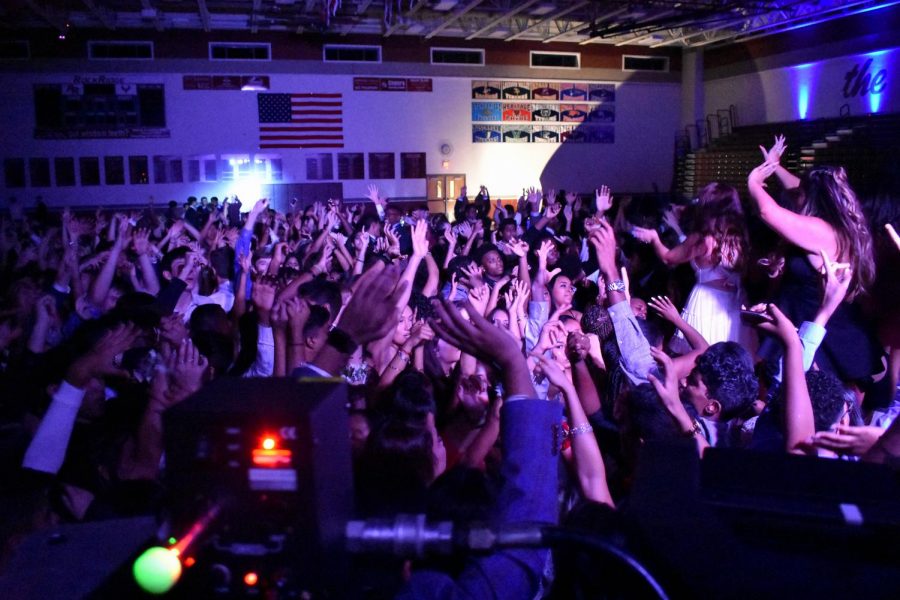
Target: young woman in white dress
715	247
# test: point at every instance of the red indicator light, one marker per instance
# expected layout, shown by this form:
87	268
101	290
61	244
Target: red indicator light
251	578
272	458
268	443
189	561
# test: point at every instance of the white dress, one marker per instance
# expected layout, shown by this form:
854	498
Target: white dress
713	308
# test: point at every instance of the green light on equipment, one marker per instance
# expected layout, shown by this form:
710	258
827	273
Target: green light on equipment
157	570
172	541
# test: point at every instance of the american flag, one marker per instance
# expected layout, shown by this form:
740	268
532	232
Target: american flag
301	120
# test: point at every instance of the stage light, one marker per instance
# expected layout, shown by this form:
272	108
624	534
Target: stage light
268	443
803	83
251	579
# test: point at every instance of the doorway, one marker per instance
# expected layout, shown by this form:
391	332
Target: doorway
442	191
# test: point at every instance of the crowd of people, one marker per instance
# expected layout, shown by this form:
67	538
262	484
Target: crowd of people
555	331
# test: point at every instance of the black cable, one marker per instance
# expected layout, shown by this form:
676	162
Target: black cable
556	536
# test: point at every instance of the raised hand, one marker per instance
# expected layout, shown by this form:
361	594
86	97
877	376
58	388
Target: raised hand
103	358
778	324
759	175
393	242
279	318
122	233
420	239
373	195
553	211
372	311
776	151
477	337
603	199
450	236
419	333
465	229
189	368
603	239
554	373
261	205
361	243
668	387
837	277
534	198
848	439
643	235
140	240
578	346
297	311
454	287
519	247
664	307
479	295
893	234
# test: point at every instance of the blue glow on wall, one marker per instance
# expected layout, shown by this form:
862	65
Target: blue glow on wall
880	70
802	84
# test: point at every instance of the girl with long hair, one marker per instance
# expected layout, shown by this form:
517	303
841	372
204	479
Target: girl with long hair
827	219
715	247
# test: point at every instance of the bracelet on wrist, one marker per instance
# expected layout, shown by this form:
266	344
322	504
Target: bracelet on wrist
581	429
695	430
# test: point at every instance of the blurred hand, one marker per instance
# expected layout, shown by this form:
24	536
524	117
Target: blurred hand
372	312
848	439
102	360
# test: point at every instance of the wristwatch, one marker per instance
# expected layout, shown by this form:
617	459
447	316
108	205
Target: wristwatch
615	286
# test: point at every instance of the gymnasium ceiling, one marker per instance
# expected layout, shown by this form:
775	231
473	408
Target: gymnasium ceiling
660	23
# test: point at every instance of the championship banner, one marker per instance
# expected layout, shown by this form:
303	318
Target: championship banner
482	134
516	90
500	115
486	90
517	134
487	111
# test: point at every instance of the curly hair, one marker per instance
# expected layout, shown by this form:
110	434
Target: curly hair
596	320
827	396
719	214
728	373
828	196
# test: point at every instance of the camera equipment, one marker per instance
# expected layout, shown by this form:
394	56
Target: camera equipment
260	479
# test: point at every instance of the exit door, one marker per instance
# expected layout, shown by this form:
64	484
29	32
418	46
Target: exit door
443	190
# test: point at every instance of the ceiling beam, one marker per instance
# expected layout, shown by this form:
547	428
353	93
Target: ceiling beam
570	29
816	16
101	13
603	17
204	14
510	13
695	33
596	38
400	21
147	5
452	18
780	7
552	17
364	6
47	14
254	16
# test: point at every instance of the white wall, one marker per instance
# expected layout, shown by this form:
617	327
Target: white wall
811	90
225	122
